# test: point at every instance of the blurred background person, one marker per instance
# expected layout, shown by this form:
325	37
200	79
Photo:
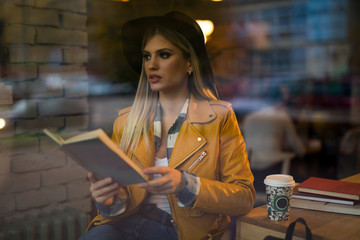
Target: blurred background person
271	136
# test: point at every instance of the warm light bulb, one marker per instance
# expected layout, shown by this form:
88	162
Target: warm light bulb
2	123
206	26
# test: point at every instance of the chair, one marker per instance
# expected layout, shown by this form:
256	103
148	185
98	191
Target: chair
264	160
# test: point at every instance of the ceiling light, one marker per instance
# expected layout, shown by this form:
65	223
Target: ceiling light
206	26
2	123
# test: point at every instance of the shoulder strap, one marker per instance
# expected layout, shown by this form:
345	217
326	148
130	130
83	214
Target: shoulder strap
290	230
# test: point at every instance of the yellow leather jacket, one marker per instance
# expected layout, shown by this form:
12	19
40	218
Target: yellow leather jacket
225	175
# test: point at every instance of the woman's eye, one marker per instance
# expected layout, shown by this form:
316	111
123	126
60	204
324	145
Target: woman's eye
146	57
165	55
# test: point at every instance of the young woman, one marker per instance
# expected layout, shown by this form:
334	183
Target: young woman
186	140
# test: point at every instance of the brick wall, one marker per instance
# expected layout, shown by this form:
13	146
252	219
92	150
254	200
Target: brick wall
45	85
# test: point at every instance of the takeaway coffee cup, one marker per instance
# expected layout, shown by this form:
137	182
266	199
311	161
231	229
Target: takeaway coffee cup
279	189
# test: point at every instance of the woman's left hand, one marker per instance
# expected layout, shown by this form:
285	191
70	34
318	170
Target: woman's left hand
171	181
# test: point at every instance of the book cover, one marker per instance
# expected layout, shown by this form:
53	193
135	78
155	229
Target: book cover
329	187
321	198
96	152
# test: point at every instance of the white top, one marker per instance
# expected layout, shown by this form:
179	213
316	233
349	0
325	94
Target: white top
161	201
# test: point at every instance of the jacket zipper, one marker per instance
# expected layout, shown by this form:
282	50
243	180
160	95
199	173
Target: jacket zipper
189	155
203	154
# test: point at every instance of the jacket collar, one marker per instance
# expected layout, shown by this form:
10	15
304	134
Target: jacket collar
200	111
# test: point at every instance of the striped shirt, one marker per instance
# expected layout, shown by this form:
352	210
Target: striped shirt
188	196
173	131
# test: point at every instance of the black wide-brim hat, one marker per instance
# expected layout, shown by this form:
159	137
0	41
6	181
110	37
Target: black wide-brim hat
133	33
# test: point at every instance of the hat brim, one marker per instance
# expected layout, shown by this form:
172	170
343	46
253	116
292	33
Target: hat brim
133	33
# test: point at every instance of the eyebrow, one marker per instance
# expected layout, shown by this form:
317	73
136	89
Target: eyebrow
160	50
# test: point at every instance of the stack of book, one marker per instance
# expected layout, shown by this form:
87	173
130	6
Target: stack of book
327	195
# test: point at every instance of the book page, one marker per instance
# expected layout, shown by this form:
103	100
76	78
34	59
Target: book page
85	136
54	136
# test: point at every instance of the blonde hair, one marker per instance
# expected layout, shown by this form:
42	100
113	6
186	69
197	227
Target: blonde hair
145	102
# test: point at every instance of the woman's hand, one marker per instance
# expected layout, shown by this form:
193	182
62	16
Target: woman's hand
171	181
102	190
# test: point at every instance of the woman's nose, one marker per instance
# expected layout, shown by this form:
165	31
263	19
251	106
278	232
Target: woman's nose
152	64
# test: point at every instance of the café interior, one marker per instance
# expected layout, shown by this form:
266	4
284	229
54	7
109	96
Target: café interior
62	67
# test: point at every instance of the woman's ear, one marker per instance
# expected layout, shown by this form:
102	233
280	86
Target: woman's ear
189	70
189	66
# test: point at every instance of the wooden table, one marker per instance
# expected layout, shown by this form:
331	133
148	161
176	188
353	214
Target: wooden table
323	225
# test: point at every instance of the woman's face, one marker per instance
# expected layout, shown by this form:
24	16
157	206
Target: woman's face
165	66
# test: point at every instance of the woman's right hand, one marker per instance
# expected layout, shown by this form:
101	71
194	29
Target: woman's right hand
102	190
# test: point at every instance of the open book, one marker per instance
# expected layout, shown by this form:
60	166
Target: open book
96	152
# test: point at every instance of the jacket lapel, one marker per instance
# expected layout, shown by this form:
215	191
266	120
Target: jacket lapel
190	140
200	111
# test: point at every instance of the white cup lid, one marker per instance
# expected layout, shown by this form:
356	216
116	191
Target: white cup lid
279	180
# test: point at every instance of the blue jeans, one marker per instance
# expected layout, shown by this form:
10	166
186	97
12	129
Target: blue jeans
135	227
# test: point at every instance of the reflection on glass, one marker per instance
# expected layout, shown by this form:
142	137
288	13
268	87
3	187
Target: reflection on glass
62	66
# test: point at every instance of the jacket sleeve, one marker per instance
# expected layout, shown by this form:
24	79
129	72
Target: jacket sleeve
233	194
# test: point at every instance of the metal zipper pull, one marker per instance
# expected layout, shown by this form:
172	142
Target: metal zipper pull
203	154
